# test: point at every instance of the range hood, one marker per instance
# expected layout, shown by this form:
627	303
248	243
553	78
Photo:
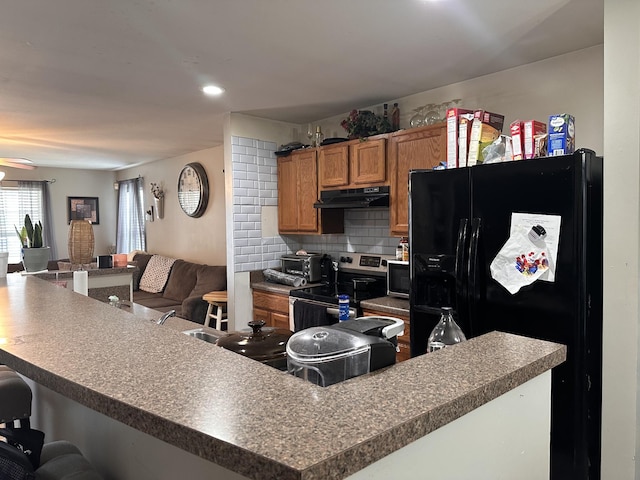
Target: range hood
354	198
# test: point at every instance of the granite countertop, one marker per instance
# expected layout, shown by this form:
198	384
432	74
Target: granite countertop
65	342
388	304
273	287
94	272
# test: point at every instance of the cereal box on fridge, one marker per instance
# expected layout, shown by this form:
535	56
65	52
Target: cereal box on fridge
517	139
486	128
562	133
453	121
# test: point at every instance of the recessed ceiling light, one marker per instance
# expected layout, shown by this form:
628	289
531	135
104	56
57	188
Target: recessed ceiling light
212	90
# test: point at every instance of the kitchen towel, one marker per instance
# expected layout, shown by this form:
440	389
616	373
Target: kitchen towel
307	315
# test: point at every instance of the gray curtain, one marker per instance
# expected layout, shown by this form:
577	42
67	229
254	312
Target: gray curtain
131	233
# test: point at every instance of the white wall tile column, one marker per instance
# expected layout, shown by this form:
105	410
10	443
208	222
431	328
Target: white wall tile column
255	187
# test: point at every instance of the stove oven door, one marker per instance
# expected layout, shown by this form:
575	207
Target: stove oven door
305	313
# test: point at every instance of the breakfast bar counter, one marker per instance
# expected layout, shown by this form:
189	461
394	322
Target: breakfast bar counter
242	417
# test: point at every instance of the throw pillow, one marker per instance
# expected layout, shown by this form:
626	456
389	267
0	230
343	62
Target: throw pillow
156	274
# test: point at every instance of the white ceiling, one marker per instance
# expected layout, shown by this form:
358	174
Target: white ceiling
107	84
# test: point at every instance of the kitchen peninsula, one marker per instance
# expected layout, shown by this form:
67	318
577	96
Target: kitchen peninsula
238	418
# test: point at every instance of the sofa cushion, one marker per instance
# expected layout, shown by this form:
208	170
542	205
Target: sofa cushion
140	260
158	303
156	274
181	280
210	279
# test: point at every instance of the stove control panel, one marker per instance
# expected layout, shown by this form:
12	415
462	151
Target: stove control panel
364	262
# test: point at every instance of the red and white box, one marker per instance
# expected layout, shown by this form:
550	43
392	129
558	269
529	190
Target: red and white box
453	123
530	129
464	136
517	139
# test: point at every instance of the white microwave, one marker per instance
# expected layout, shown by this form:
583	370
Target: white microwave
398	278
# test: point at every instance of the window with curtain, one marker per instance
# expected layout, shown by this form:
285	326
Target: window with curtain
131	233
18	198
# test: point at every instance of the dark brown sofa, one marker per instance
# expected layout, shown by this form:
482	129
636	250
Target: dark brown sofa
183	292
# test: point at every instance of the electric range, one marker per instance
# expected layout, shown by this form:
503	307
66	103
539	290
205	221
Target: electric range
360	276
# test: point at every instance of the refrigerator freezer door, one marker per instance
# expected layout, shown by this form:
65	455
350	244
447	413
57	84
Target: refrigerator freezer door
439	230
561	311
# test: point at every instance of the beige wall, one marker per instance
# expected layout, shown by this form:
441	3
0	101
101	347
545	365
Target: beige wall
77	183
571	83
621	344
201	240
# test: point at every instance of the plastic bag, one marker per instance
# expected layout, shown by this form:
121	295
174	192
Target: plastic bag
500	150
520	261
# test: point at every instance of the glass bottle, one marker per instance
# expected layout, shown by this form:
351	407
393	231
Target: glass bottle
399	250
319	137
446	332
405	249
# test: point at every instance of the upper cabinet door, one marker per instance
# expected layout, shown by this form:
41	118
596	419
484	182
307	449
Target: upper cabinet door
368	164
423	147
307	184
287	194
333	166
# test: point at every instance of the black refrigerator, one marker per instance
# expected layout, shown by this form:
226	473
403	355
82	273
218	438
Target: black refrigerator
459	221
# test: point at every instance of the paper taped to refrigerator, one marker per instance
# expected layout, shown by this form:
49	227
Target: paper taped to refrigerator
530	252
551	224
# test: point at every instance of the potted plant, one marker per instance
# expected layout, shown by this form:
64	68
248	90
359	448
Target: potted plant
35	256
364	123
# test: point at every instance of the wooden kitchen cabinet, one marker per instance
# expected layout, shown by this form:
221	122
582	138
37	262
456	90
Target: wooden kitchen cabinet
272	308
418	148
368	162
353	164
404	344
333	166
298	191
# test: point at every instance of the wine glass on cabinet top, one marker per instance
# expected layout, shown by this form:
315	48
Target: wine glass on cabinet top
433	114
417	120
310	133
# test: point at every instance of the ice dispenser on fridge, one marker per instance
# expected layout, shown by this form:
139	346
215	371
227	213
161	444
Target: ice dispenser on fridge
435	281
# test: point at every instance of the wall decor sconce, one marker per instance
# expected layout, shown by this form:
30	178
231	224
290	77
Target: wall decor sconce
158	199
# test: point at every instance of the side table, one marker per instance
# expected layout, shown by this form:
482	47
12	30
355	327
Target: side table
218	300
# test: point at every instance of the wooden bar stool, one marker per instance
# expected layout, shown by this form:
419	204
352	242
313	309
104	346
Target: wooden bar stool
217	300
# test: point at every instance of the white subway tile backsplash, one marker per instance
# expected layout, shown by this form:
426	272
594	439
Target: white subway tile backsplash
249	209
254	175
238	164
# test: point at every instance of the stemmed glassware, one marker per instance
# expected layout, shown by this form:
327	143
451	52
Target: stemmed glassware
433	114
310	134
418	119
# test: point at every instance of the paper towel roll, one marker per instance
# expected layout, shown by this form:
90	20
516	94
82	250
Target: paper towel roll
81	282
285	279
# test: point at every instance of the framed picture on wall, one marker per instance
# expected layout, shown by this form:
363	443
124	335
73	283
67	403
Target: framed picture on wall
83	208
